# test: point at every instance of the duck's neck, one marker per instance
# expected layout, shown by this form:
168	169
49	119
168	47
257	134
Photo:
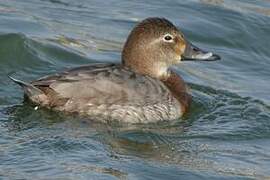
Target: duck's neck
178	88
150	68
140	60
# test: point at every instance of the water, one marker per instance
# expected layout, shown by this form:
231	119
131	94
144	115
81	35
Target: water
225	135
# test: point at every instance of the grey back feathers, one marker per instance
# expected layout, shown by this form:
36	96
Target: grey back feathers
105	92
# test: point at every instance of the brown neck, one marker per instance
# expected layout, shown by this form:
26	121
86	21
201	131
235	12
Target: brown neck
141	61
179	89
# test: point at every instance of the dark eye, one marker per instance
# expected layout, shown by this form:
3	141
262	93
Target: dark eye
168	37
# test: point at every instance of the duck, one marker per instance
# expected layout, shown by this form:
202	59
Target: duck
143	88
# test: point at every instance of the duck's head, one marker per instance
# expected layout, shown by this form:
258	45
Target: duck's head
155	44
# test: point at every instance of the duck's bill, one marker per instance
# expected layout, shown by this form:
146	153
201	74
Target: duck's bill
193	53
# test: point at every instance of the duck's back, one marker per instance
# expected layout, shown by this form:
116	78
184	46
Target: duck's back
107	92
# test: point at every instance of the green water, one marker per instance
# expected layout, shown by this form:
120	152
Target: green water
225	134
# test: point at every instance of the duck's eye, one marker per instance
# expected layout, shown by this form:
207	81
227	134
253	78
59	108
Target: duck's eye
168	37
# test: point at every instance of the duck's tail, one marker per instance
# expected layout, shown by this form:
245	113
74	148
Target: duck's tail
29	89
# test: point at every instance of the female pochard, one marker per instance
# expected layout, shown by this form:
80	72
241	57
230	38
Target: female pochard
141	89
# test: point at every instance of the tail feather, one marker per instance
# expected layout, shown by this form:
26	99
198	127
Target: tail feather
28	88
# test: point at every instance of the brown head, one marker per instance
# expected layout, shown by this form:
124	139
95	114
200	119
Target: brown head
155	44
